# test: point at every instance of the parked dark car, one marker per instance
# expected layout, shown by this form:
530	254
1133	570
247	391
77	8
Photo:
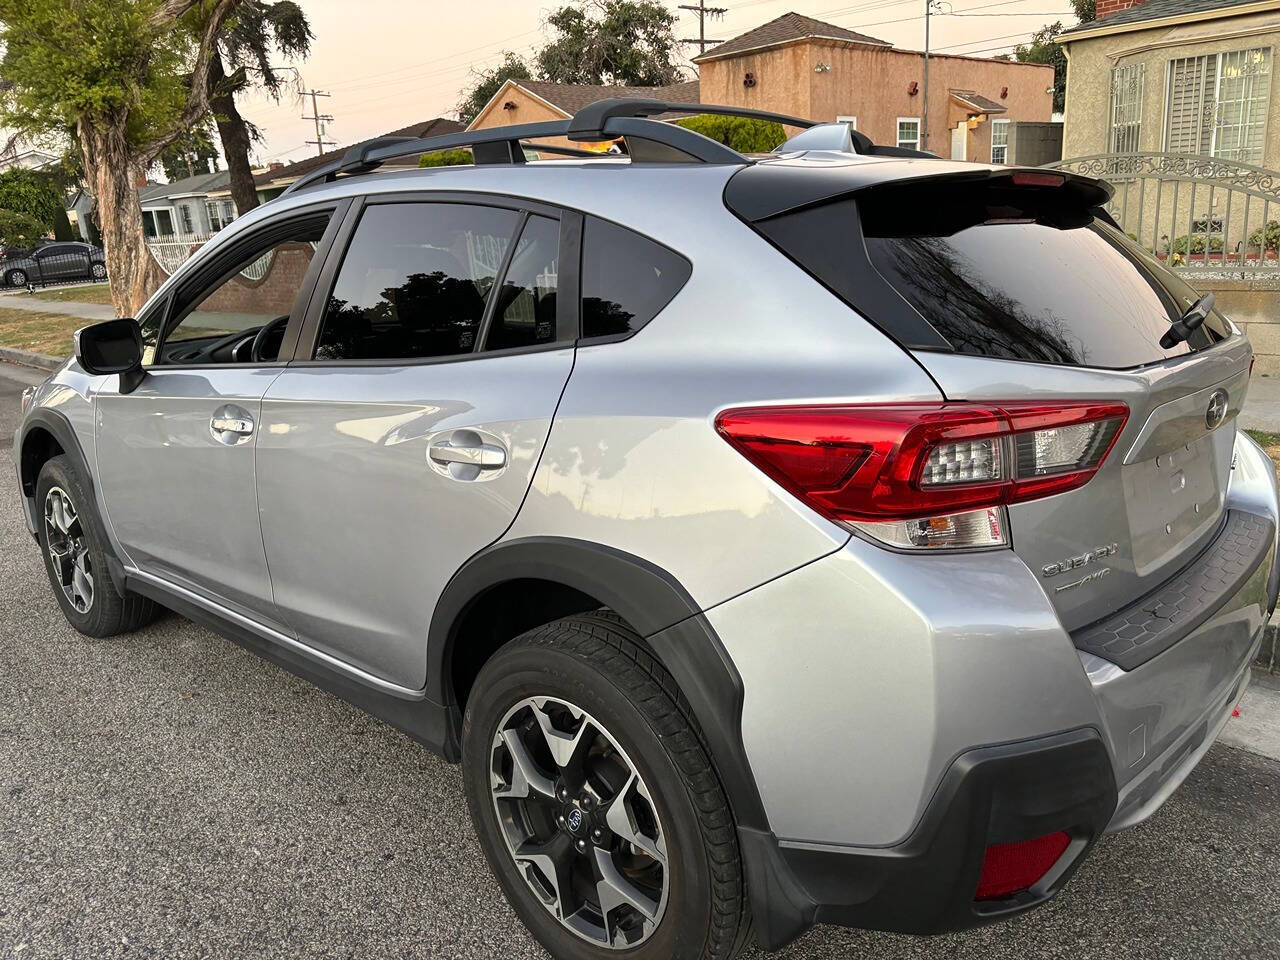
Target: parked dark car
54	262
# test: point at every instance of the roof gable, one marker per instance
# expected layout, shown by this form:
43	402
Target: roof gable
787	28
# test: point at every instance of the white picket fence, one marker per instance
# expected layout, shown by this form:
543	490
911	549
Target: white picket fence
173	251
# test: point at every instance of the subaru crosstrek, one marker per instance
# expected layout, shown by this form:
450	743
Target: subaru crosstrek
841	536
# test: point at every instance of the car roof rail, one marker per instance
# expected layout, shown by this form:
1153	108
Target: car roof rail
627	117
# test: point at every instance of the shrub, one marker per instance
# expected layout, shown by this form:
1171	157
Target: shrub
1197	244
19	229
32	193
738	133
446	158
1273	236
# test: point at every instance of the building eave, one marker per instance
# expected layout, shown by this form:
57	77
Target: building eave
1102	29
774	44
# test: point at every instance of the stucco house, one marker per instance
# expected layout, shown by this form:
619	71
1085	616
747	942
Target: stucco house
183	208
1188	77
804	67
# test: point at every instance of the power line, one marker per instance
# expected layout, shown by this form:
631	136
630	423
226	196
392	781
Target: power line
320	120
703	11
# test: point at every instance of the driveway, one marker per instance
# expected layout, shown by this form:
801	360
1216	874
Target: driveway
168	794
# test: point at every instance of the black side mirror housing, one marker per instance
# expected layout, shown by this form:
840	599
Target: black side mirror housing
113	346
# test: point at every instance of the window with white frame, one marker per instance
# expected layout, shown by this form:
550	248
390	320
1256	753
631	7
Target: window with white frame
215	221
1128	84
184	210
999	141
1216	105
909	132
850	119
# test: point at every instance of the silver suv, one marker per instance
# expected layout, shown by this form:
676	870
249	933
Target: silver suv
841	536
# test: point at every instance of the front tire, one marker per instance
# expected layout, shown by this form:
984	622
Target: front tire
75	558
16	278
596	802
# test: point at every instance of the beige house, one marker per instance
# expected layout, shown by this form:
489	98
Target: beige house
1189	77
807	68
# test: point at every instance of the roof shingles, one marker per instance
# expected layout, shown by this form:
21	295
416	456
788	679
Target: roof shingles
572	97
786	29
436	127
1156	10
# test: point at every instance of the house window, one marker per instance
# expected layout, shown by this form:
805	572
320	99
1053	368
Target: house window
164	223
184	211
1128	83
1216	105
850	119
909	132
999	141
228	212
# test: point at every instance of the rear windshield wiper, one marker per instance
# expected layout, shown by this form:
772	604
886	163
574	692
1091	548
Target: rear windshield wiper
1182	328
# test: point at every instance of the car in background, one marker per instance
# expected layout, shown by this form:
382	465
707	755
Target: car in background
52	262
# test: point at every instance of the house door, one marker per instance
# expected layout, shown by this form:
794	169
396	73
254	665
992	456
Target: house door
959	140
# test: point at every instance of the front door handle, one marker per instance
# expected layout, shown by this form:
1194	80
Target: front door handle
231	425
466	455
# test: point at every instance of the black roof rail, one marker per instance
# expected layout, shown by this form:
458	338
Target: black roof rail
647	140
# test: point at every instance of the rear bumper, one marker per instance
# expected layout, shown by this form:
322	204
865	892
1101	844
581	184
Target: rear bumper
999	794
882	679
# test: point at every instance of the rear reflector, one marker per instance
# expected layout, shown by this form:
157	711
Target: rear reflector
1010	868
908	461
1031	178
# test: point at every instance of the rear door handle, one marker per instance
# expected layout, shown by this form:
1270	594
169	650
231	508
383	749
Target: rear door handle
466	455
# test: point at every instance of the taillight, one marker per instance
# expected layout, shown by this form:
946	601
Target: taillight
1009	868
926	475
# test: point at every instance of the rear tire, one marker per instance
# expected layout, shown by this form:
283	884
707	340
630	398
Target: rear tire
671	836
75	557
99	271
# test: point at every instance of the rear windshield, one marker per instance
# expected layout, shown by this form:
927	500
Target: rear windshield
1021	274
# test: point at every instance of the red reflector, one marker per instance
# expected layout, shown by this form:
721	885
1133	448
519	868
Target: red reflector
1013	867
1026	178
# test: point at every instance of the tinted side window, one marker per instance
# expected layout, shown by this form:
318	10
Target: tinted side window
525	314
414	281
626	279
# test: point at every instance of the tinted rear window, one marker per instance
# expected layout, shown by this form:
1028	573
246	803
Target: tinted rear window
1021	274
626	279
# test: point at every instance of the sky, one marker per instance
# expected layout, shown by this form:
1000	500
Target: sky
390	63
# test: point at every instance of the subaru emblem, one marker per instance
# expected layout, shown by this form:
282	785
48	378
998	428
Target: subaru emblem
1217	411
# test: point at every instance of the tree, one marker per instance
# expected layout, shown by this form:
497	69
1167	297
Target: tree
130	77
192	153
626	42
1044	49
485	83
258	32
32	193
19	230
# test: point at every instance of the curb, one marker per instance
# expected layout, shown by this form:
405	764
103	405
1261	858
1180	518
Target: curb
1268	658
38	360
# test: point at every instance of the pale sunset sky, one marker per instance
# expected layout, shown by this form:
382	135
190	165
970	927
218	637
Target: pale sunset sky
389	63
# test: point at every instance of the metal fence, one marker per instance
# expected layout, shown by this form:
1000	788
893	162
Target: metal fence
172	251
1198	214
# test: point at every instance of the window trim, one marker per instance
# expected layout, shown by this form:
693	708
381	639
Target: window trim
1000	123
568	294
217	268
898	133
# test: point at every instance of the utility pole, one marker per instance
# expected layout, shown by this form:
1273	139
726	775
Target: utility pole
703	11
320	120
924	114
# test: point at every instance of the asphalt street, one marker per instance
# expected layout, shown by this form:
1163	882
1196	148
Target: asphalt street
168	794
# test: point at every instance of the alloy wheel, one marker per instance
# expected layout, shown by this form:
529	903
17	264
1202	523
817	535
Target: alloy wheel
579	822
68	549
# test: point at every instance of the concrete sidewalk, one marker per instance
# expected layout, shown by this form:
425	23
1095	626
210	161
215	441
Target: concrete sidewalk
90	311
1262	406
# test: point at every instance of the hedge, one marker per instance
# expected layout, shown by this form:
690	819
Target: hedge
446	158
738	133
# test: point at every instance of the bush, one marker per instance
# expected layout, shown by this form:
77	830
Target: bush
738	133
19	229
446	158
34	194
1273	236
1197	244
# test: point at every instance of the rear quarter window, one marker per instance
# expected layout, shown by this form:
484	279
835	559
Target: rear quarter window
626	279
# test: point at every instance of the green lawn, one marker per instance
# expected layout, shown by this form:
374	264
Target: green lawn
48	333
82	293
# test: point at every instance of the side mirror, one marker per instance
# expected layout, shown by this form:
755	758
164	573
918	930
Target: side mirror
113	346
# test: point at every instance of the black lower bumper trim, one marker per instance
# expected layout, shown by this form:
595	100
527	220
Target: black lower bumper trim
925	885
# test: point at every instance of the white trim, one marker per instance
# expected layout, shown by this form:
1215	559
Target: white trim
994	124
850	118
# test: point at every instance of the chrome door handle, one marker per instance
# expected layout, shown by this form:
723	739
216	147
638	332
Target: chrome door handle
486	456
231	425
